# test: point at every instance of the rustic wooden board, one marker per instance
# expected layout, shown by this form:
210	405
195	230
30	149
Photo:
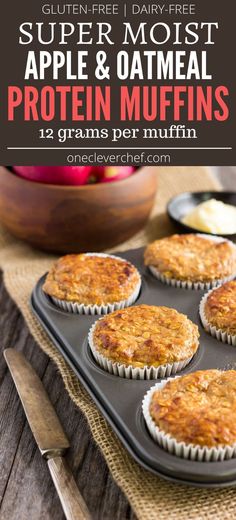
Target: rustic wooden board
26	489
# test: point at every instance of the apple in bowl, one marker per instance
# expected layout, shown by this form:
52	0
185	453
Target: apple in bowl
76	218
73	175
65	175
115	173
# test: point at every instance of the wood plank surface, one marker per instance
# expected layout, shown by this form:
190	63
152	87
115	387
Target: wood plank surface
26	488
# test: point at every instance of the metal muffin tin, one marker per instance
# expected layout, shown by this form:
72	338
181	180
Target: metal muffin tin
120	400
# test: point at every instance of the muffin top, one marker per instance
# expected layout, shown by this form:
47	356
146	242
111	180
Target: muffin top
91	279
146	335
220	307
192	257
199	408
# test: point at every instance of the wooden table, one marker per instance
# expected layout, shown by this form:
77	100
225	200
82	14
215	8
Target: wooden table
26	489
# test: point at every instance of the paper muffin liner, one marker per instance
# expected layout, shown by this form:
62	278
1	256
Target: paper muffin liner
186	284
131	372
80	308
181	449
219	334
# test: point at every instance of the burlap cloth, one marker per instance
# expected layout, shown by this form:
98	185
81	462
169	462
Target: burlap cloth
150	497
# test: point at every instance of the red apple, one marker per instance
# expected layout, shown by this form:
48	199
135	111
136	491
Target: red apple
67	175
116	173
96	174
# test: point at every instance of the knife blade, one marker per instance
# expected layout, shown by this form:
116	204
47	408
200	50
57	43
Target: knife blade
48	433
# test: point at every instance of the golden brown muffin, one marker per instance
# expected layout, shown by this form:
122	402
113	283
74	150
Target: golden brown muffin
146	335
220	308
192	258
199	408
91	279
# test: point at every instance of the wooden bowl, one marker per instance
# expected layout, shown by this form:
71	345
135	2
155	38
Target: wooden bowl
65	219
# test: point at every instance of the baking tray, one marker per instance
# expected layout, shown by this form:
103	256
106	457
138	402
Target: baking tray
120	400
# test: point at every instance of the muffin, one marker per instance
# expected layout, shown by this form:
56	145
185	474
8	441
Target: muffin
194	416
144	342
192	261
218	312
92	283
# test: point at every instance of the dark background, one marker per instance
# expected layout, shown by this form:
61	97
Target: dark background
210	134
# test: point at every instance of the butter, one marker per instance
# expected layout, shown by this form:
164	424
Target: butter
212	216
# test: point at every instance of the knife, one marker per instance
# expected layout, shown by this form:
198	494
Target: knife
48	433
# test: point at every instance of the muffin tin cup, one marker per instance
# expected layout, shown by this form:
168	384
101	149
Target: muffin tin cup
192	452
131	372
80	308
219	334
198	285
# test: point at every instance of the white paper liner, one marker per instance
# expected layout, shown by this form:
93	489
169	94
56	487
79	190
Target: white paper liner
80	308
130	372
219	334
181	449
185	284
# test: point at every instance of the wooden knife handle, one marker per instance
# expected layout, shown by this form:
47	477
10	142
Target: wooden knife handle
72	501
